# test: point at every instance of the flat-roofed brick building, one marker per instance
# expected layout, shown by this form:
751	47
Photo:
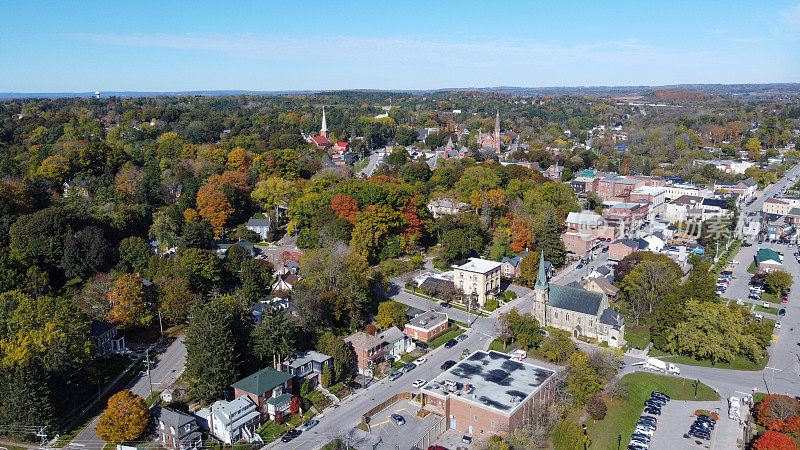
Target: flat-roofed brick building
489	392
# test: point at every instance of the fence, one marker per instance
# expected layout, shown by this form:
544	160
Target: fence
436	430
382	406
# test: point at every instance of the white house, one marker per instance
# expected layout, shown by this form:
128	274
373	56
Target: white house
261	227
654	243
233	421
396	342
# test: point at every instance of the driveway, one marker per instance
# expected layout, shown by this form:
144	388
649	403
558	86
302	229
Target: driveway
393	436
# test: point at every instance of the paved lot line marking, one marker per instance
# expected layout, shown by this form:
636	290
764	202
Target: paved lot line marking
401	409
298	445
714	439
378	424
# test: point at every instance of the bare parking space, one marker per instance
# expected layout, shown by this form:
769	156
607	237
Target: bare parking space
392	435
676	418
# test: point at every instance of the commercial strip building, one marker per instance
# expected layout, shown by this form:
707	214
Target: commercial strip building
489	392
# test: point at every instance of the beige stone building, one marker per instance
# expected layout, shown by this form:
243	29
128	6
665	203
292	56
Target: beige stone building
478	278
577	310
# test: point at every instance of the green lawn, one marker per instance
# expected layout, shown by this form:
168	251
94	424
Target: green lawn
448	334
738	363
772	298
408	357
499	346
622	414
637	336
751	269
271	430
769	310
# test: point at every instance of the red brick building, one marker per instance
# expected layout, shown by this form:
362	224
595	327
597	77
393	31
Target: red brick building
489	393
426	325
624	247
367	351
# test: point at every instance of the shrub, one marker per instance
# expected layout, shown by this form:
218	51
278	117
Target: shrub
596	407
568	435
294	405
772	440
491	305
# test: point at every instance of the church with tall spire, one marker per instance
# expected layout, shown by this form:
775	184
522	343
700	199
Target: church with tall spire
492	140
323	131
572	308
322	142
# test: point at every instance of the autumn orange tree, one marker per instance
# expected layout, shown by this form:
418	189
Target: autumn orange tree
521	235
772	440
779	413
345	207
221	197
125	419
127	302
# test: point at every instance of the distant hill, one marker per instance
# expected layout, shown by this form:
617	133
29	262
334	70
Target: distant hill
678	95
678	92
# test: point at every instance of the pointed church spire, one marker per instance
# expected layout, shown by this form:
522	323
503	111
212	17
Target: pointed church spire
324	130
449	143
497	131
541	279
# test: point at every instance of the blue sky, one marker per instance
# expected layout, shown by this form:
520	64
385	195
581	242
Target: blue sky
65	46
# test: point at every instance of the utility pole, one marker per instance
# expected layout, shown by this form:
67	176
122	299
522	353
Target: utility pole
149	378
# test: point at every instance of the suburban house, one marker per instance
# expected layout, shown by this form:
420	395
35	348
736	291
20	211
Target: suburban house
290	266
477	278
176	429
221	249
601	285
307	365
490	393
446	207
368	351
269	389
768	260
285	282
231	421
510	267
574	309
261	227
395	342
104	336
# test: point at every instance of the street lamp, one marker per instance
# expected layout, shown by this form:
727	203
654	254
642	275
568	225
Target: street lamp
619	441
696	383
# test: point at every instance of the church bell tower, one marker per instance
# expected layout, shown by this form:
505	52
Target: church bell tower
541	294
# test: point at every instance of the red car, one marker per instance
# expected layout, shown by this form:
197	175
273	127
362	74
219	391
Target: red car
436	447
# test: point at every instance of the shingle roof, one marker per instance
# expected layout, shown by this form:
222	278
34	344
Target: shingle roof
262	381
611	317
97	328
259	223
391	335
363	340
302	358
514	261
573	299
767	254
174	418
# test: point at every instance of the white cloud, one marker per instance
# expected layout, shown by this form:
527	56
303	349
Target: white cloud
791	16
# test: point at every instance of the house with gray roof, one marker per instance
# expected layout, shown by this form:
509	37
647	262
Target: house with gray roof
572	308
231	421
261	227
307	365
176	429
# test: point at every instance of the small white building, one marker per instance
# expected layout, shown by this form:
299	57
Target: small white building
396	342
261	227
233	421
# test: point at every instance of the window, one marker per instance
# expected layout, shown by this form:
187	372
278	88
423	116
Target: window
162	425
567	317
555	314
590	323
493	424
579	320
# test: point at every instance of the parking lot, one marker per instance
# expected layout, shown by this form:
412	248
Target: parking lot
393	436
676	418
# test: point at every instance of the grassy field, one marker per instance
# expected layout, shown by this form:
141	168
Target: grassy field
271	430
751	269
622	414
637	336
772	298
738	363
769	310
450	333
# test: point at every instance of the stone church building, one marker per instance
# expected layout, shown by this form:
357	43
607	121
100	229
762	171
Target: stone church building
574	309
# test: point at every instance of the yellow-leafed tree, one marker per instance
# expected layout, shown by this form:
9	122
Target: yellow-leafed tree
127	302
125	419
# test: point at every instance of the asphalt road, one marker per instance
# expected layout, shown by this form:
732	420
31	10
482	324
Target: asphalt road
167	368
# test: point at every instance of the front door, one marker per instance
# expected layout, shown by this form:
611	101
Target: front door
453	423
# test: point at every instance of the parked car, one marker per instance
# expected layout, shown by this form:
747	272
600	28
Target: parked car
653	411
421	345
419	361
782	312
409	367
659	395
448	364
398	419
778	325
353	385
436	447
651	419
451	343
461	337
395	375
308	424
418	383
291	434
580	266
466	439
444	304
